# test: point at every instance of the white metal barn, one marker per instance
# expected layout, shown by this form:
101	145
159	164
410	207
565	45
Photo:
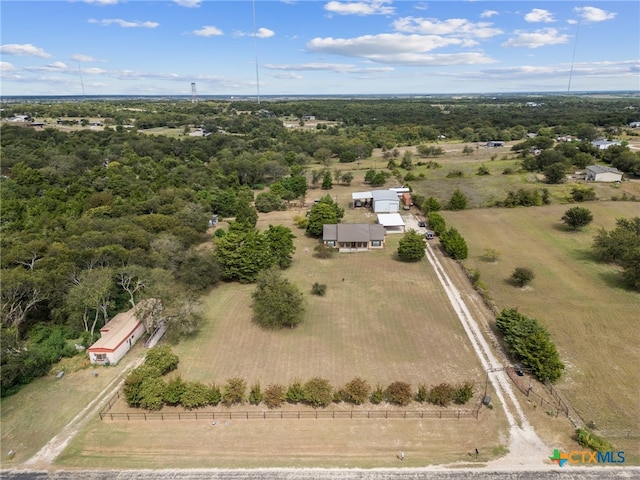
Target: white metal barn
599	173
385	201
117	337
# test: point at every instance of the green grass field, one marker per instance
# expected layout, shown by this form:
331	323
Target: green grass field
592	317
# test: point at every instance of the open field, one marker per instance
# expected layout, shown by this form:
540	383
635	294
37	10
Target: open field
41	409
592	318
285	443
381	319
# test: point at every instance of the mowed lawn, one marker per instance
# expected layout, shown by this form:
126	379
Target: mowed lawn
592	317
381	319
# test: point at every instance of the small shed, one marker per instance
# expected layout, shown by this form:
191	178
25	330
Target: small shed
385	201
117	337
600	173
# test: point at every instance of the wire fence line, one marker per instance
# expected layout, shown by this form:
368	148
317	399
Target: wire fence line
291	414
444	413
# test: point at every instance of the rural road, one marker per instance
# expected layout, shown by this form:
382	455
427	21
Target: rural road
567	473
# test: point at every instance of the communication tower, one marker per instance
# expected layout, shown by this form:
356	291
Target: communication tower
194	96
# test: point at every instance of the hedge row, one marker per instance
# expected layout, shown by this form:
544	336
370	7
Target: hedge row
531	344
145	388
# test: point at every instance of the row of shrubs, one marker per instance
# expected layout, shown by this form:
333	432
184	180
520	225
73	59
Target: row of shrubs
145	388
450	239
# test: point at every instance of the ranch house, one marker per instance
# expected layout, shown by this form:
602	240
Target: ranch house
117	337
599	173
353	237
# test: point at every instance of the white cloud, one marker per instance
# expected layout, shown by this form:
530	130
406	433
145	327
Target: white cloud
59	67
188	3
539	15
124	23
375	7
265	33
78	57
261	33
6	67
459	27
397	49
593	14
488	14
539	38
24	49
332	67
94	71
208	31
101	2
286	76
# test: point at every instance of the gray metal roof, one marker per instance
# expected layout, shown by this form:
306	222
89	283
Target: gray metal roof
353	232
602	169
379	195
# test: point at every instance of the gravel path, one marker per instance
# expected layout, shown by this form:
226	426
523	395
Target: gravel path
54	447
526	449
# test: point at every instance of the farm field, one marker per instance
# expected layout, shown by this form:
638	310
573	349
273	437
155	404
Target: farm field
592	318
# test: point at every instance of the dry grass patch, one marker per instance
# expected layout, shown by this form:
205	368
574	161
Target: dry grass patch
591	316
285	443
31	417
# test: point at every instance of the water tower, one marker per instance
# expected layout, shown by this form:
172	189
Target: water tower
194	96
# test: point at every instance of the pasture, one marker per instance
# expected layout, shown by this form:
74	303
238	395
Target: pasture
381	319
592	317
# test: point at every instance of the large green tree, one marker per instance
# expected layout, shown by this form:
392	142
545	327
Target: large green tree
326	211
276	302
577	217
411	247
622	246
454	244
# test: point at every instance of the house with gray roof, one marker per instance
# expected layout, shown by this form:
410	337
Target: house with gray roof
353	237
600	173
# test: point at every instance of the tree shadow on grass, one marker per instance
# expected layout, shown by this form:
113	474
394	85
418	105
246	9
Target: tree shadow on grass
614	279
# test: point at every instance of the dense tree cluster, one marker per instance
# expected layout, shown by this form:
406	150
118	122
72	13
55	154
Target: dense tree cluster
530	343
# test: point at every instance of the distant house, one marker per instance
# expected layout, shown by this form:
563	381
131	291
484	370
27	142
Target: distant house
353	237
605	144
599	173
117	337
495	143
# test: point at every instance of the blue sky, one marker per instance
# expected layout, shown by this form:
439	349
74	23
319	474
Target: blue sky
135	47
